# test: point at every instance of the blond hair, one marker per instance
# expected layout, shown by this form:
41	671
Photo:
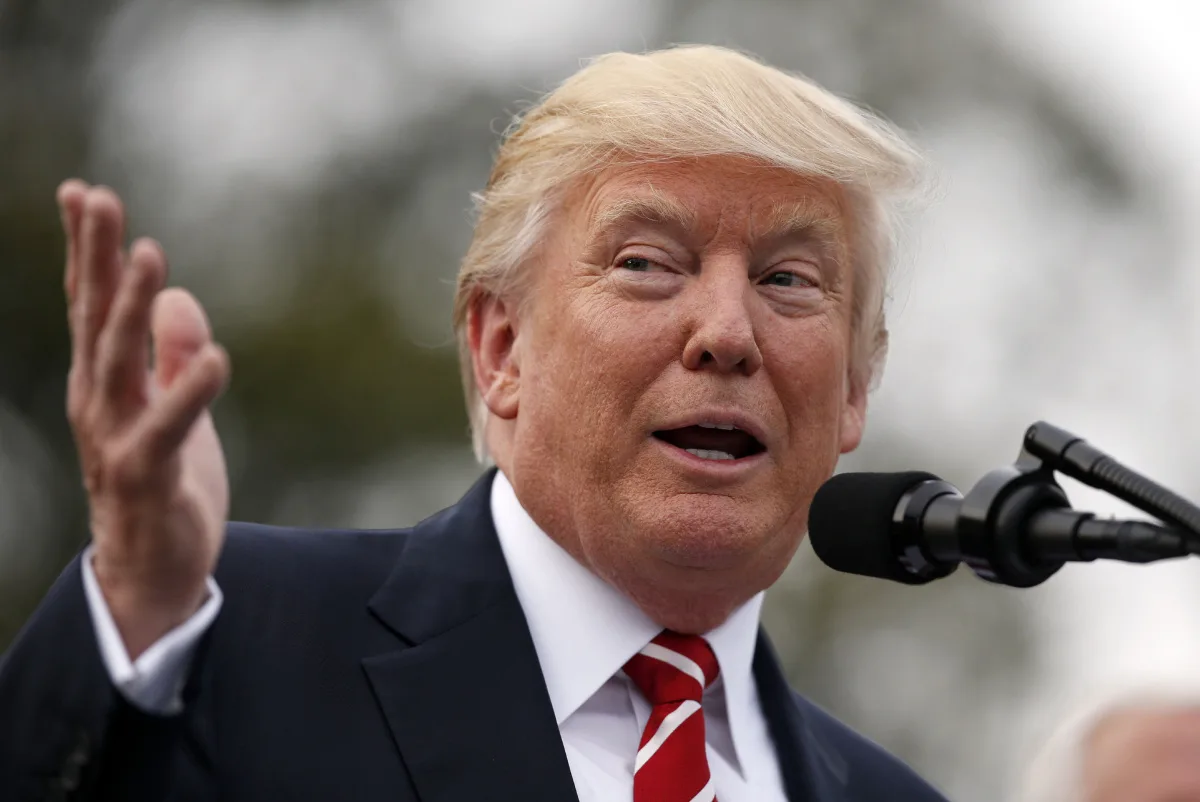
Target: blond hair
685	102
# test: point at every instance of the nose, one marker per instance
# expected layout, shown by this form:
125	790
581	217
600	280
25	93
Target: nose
722	336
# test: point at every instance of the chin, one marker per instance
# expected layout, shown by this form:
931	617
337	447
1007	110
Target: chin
705	532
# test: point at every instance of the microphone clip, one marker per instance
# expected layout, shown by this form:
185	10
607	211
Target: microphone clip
993	520
937	528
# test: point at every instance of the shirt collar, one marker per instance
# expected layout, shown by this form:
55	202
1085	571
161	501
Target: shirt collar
557	593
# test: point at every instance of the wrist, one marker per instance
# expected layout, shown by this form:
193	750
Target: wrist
144	611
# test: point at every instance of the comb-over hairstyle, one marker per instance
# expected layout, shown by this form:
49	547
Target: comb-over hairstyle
684	103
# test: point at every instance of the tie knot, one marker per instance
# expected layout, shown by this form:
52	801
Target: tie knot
673	668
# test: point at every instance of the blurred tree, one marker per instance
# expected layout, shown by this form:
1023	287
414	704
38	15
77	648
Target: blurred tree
45	113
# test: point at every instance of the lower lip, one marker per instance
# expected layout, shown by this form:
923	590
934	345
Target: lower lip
717	468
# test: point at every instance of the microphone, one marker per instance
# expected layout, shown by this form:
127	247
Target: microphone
1014	528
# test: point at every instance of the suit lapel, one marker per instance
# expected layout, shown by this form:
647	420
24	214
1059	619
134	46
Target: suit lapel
465	701
813	770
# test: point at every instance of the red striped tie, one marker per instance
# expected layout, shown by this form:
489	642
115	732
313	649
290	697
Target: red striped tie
672	673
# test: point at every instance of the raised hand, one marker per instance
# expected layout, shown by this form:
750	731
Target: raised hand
157	487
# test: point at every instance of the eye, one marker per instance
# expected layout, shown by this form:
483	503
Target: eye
637	264
786	278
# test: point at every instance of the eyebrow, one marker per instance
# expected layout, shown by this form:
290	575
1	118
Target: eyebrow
654	208
804	220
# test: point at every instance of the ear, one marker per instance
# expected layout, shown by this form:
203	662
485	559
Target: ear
492	337
854	415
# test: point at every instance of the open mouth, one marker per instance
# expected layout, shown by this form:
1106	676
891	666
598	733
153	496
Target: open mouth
715	441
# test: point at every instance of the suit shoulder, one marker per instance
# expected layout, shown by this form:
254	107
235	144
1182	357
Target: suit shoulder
276	556
873	772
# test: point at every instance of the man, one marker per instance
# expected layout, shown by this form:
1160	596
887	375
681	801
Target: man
1136	747
669	318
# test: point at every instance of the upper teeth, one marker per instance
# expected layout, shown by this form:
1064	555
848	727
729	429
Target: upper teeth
726	426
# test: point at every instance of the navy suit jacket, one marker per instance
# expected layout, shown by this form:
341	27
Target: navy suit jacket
347	665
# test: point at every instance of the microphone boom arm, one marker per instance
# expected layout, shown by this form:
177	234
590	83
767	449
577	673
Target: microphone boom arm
1073	456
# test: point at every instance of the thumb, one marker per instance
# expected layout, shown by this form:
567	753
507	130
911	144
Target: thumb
179	330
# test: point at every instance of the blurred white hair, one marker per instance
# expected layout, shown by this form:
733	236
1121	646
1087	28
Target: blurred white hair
686	102
1056	773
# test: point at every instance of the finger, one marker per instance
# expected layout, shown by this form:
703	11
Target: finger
71	194
122	352
70	197
179	329
99	269
161	431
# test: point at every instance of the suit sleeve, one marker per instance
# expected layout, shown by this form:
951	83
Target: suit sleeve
68	733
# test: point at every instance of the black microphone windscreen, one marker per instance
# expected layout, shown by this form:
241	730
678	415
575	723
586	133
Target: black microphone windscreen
850	523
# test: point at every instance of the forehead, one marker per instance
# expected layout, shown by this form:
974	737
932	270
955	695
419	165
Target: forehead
709	194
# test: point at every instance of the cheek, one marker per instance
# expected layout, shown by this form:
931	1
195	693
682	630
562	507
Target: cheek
590	362
810	375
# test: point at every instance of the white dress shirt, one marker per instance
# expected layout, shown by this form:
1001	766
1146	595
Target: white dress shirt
600	713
